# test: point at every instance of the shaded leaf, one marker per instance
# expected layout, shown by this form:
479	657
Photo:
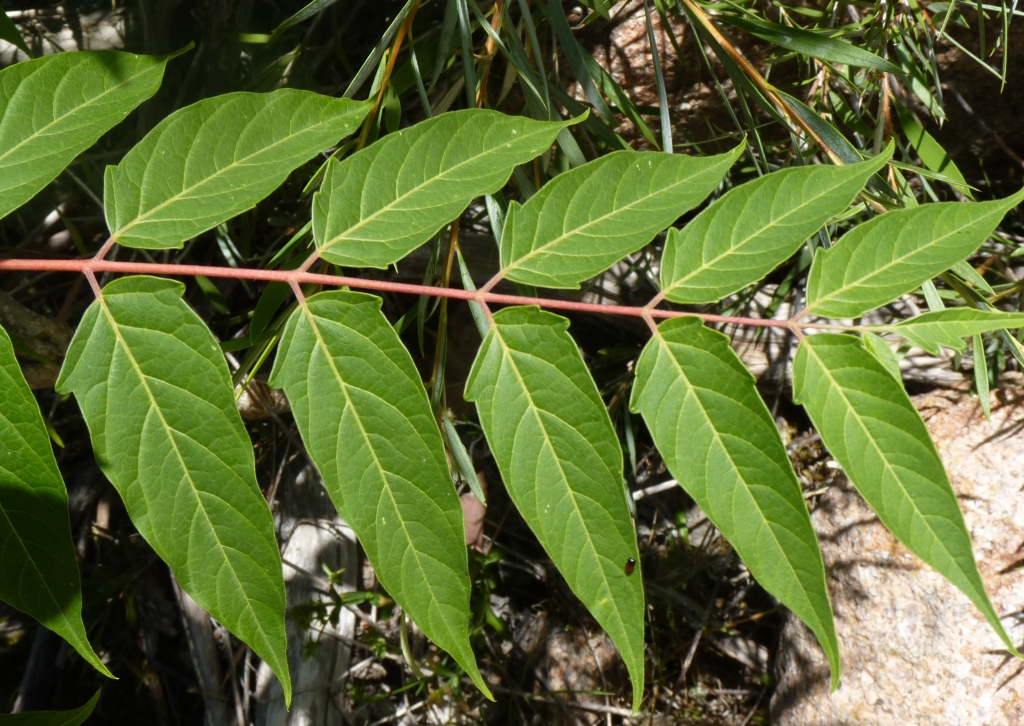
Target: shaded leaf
207	162
380	204
755	227
9	32
363	413
813	45
881	350
561	462
896	252
585	220
38	564
870	426
949	327
156	395
719	441
52	718
54	108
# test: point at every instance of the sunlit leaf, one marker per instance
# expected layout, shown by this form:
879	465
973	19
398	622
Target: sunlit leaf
561	462
585	220
870	426
949	327
364	415
54	108
38	564
755	227
156	395
380	204
896	252
217	158
721	444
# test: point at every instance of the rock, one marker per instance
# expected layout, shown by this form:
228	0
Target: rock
915	651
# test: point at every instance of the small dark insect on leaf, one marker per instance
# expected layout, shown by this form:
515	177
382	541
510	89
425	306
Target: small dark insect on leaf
630	566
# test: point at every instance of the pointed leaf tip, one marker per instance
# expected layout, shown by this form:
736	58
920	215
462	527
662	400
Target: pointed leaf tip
719	441
871	427
378	448
157	398
561	463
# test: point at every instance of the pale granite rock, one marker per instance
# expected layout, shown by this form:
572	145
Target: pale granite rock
915	651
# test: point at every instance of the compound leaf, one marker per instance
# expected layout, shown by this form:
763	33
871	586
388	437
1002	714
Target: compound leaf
561	462
585	220
755	227
895	253
75	717
870	426
38	565
156	395
719	441
380	204
209	161
949	327
364	415
54	108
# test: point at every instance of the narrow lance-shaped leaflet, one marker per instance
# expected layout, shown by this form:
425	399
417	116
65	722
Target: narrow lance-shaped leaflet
870	426
207	162
755	227
156	395
38	564
383	202
720	443
587	219
561	462
364	415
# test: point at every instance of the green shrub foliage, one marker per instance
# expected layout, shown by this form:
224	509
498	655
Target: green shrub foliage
155	392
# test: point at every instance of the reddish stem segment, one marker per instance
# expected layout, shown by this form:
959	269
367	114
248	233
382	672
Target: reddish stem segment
296	277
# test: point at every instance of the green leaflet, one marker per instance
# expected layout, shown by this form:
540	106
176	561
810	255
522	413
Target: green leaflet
54	108
755	227
813	45
156	395
561	462
38	565
380	204
364	415
868	423
949	327
881	350
721	444
209	161
585	220
9	32
890	255
52	718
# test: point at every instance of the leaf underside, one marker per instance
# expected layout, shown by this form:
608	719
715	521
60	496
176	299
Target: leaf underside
871	427
207	162
561	462
54	108
364	415
380	204
755	227
156	395
585	220
38	564
719	441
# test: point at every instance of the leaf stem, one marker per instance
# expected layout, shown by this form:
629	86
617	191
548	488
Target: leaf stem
294	278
